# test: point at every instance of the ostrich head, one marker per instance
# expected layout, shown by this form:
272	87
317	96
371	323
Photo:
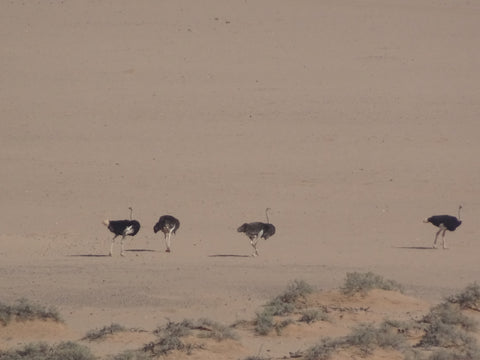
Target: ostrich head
106	222
242	228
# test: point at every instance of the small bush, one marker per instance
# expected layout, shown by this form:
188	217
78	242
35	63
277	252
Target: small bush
312	315
296	290
24	310
364	336
448	327
367	337
132	355
389	335
465	354
450	314
279	326
103	332
214	330
169	336
323	350
285	303
281	305
364	282
277	307
264	323
42	351
468	299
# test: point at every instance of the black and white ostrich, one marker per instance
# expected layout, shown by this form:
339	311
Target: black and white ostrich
257	230
122	228
444	223
168	225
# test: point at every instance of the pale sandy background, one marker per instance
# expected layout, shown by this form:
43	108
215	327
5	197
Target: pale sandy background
352	120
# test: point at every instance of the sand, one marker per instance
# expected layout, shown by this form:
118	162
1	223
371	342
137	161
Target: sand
352	121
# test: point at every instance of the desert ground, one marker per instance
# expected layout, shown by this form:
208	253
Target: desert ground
351	120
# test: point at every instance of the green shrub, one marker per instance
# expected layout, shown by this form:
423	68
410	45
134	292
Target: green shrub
364	282
42	351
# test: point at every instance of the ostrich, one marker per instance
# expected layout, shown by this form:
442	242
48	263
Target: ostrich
257	230
168	225
122	228
444	222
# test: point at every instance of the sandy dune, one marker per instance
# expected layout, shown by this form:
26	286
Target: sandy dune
351	120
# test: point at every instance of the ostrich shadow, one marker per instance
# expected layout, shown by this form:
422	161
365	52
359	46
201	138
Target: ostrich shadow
414	247
140	250
89	255
107	255
229	255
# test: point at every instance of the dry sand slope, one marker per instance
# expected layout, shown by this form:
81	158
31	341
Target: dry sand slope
352	120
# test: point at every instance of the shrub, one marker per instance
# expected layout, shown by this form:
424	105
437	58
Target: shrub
24	310
264	323
468	299
447	327
312	315
169	336
364	336
364	282
103	332
367	337
464	354
284	303
42	351
132	355
323	350
214	330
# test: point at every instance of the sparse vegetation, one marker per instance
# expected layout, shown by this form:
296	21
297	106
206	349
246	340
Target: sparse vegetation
214	330
132	355
323	350
468	298
43	351
312	315
98	334
264	323
24	310
367	337
281	305
169	336
445	332
447	326
364	282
